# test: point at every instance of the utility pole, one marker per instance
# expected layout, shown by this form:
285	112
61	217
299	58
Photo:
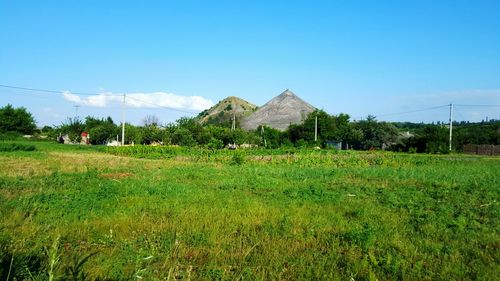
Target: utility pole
451	123
123	120
233	127
316	128
262	133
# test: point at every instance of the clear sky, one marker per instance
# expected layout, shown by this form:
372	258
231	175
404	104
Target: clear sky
355	57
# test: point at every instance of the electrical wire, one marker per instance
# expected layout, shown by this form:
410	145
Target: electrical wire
34	90
478	105
411	111
38	91
47	91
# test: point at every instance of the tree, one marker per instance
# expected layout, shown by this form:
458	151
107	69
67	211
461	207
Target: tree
151	120
16	120
430	139
74	128
133	134
375	134
271	138
183	137
195	128
102	133
152	134
330	127
100	130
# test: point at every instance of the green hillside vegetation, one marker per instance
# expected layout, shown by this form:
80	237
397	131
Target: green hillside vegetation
223	112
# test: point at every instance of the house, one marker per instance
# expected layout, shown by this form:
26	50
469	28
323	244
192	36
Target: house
65	139
85	138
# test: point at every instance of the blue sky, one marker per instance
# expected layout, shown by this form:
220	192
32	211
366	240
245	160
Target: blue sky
355	57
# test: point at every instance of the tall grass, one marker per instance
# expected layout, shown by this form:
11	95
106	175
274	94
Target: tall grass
9	147
271	215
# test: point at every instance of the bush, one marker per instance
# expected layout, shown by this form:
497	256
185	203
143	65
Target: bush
215	144
237	159
183	137
16	120
10	136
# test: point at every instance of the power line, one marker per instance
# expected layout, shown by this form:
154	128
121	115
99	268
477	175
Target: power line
16	91
459	113
34	90
411	111
32	94
47	91
191	112
478	105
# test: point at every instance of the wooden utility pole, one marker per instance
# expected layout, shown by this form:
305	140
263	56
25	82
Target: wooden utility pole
262	133
123	120
451	123
316	128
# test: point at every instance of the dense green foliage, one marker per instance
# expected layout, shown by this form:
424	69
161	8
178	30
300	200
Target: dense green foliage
100	130
333	131
431	138
287	214
375	134
16	120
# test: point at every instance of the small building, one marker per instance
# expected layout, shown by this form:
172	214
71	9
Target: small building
65	139
113	143
334	144
85	138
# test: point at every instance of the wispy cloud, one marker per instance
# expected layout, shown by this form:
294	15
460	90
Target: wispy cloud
142	100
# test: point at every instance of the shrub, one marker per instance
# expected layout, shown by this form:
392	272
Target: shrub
10	136
237	159
215	144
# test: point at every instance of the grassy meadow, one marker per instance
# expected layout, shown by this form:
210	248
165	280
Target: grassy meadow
158	213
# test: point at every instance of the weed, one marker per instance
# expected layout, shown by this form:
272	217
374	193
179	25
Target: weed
237	159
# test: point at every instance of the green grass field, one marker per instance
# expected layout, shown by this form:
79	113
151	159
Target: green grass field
85	213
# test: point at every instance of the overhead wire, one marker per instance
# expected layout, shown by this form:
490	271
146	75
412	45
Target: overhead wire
478	105
192	112
411	111
48	91
35	90
458	113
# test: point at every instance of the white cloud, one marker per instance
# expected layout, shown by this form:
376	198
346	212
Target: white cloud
142	100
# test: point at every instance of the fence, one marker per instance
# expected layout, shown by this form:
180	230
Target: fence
482	149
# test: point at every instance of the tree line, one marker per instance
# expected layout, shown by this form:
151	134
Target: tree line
332	131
